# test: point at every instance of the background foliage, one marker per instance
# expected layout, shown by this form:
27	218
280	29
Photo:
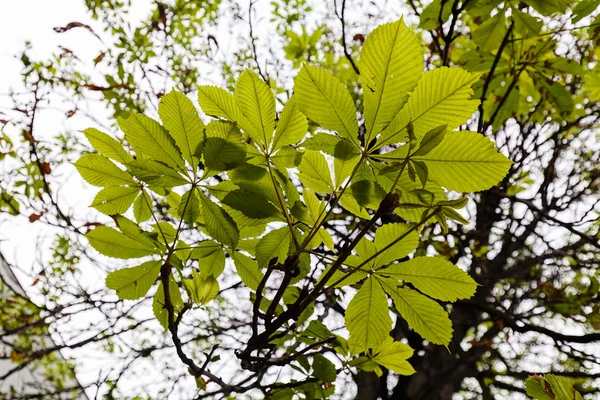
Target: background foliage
532	245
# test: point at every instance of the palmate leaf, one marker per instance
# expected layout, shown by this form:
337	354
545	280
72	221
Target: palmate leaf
133	283
181	119
394	356
435	277
150	140
257	103
189	208
115	200
107	146
291	127
423	314
113	243
466	162
254	179
98	170
133	231
442	97
346	156
367	316
322	141
218	223
391	63
325	100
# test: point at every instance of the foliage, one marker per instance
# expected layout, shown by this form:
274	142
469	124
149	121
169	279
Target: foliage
305	230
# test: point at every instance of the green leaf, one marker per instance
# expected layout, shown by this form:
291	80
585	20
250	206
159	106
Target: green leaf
391	63
592	84
286	157
431	14
257	103
367	316
218	223
181	119
387	237
202	288
223	149
142	210
323	369
189	208
325	100
98	170
322	141
254	179
150	140
583	9
274	245
424	315
133	231
535	387
346	156
431	140
291	127
466	162
133	283
210	256
107	146
158	305
435	277
547	7
115	200
394	356
526	24
489	35
442	97
156	174
314	172
247	269
251	205
219	103
367	193
113	243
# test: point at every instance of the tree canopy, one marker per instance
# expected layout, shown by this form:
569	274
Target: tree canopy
311	200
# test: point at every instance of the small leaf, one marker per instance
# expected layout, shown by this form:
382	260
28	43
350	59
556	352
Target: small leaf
489	35
98	170
210	256
115	200
156	174
323	369
218	223
189	208
133	283
142	210
223	149
388	237
322	141
107	146
247	269
314	172
435	277
181	119
431	140
274	245
394	356
346	156
367	193
251	205
202	288
150	140
113	243
257	104
367	316
291	127
325	100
